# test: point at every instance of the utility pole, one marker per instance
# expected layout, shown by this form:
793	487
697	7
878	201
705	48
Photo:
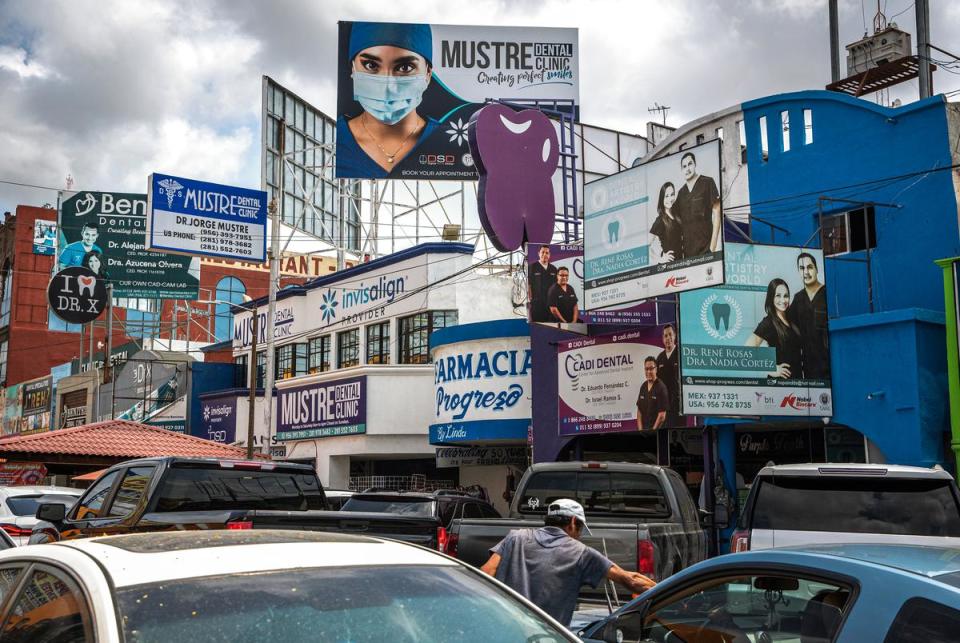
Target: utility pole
923	48
251	415
107	364
275	208
834	43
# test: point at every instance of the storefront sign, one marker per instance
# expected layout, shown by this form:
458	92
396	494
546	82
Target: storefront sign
108	230
620	383
73	409
481	456
219	419
482	390
35	413
198	218
759	344
118	355
21	473
324	409
44	237
467	64
77	295
284	325
148	387
654	229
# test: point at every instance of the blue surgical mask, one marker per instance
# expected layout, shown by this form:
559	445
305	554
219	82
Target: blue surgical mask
388	98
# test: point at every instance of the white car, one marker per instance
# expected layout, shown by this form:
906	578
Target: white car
255	586
18	507
816	504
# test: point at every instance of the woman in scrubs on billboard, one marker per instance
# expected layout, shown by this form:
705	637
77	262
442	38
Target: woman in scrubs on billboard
391	66
777	331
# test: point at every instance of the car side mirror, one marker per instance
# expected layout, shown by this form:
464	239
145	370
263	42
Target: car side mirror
51	512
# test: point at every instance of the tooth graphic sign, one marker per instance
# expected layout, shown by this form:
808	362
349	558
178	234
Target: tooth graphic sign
516	155
76	295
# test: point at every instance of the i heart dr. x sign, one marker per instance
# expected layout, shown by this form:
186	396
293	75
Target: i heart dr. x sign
76	295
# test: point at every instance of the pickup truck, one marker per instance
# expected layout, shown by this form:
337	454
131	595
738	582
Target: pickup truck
642	516
171	493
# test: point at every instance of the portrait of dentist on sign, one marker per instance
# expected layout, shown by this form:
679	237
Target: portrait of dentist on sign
391	66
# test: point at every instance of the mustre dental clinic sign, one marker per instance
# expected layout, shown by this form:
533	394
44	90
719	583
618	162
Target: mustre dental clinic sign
323	409
482	390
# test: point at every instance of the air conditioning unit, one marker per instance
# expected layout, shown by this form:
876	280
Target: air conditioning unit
880	48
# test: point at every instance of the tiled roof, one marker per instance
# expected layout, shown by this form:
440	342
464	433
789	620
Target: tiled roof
117	438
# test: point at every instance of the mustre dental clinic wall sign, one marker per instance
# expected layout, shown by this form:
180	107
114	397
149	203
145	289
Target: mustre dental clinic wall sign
406	92
482	390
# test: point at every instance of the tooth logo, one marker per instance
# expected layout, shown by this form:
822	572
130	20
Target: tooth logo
87	284
85	205
516	155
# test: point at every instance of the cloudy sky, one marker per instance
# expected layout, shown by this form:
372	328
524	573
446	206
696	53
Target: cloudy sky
108	91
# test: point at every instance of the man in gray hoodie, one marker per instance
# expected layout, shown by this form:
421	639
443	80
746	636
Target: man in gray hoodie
549	565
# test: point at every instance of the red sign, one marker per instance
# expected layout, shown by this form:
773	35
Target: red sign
14	473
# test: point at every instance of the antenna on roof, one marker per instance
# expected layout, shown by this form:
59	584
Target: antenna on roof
662	109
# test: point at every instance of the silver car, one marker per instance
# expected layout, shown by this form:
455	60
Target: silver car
18	507
816	504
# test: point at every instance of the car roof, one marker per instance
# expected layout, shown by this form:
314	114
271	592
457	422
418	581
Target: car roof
823	469
29	490
134	559
924	560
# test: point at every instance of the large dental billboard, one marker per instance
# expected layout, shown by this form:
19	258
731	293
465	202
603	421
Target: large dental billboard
107	233
323	409
551	302
654	229
406	92
620	383
758	345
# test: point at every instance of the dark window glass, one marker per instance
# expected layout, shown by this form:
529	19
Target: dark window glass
894	506
863	231
348	348
378	343
415	332
130	491
489	512
404	506
319	351
545	487
597	491
90	504
261	368
48	608
195	489
243	373
472	510
849	231
448	512
27	505
376	604
291	361
688	510
923	621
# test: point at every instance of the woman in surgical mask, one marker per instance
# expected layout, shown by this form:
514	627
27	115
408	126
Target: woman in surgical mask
391	68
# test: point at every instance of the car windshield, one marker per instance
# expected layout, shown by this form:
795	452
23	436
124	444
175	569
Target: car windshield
27	505
391	505
891	506
397	604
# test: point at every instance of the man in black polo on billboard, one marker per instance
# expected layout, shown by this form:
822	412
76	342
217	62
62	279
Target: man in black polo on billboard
541	277
698	205
668	372
653	400
809	313
562	300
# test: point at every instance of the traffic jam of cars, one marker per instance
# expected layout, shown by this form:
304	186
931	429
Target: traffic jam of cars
158	549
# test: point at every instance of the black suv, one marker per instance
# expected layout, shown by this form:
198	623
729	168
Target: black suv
444	505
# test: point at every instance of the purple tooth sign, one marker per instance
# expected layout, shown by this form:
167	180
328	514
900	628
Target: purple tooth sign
516	154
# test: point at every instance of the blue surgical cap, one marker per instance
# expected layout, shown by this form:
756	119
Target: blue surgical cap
413	37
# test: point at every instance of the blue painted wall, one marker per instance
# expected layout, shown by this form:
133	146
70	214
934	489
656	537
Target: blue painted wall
889	370
206	377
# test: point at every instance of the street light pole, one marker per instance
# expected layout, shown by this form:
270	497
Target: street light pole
255	328
274	208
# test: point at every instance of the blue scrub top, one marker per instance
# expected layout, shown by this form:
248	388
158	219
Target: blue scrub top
353	162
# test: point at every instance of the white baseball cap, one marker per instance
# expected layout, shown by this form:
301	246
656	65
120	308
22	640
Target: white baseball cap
569	509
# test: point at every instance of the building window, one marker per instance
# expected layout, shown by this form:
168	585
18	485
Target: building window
243	373
415	334
5	300
742	134
261	368
848	231
319	354
231	290
348	348
291	361
378	343
764	143
719	133
3	363
701	138
807	126
785	131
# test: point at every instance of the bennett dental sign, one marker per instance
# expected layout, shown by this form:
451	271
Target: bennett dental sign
482	389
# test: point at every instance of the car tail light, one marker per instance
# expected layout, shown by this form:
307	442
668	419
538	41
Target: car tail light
240	524
740	541
453	539
646	559
16	531
245	464
441	539
593	465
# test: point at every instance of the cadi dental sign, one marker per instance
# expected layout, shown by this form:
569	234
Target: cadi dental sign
482	389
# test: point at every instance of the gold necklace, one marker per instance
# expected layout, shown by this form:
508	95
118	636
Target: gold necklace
389	156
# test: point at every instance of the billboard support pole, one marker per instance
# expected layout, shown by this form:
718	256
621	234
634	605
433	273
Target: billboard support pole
949	267
275	208
107	366
253	380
